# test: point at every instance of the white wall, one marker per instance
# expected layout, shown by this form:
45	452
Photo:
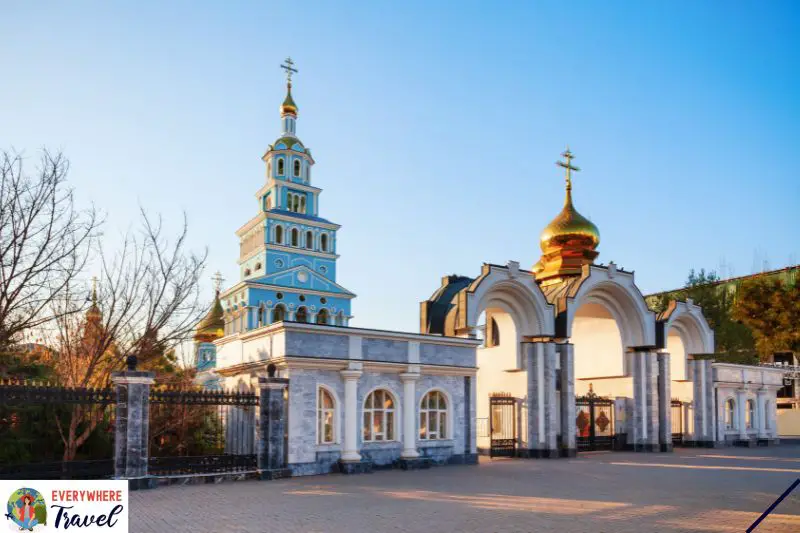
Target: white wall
677	355
598	343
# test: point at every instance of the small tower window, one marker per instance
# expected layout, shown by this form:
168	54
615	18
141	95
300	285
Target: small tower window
309	240
323	242
323	317
279	313
303	204
296	202
281	170
301	315
295	237
279	234
297	168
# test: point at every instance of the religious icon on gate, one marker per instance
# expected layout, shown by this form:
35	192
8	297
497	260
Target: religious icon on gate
602	421
582	422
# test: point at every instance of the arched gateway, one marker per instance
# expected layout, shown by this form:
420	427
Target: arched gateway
567	326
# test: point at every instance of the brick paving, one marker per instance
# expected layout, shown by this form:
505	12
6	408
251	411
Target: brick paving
716	490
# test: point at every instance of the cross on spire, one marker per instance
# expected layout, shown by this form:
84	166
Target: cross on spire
288	66
568	166
217	279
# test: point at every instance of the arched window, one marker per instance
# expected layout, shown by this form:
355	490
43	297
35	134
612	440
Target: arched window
301	315
297	168
495	333
730	414
279	313
750	414
279	234
303	204
433	416
260	315
379	416
309	240
295	203
295	237
340	319
323	242
323	317
326	409
280	166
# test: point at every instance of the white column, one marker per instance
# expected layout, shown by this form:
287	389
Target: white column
741	407
409	415
350	437
761	413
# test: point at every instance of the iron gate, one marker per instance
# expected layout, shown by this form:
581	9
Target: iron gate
677	422
502	426
594	422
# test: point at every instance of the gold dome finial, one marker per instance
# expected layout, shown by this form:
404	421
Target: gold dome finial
288	107
570	240
94	313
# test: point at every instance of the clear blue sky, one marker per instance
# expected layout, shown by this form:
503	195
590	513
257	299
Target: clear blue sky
435	126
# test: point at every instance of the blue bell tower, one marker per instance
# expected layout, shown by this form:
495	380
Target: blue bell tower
287	252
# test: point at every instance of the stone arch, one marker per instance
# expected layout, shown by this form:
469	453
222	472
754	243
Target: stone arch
683	330
616	291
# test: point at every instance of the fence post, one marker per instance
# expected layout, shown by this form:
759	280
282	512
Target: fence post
131	439
272	428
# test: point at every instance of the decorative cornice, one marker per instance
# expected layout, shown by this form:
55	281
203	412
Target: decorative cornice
250	224
304	251
298	220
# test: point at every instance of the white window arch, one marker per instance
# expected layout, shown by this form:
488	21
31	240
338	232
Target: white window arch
730	413
309	240
326	416
298	168
279	313
302	204
279	234
295	237
323	242
281	166
301	315
433	417
380	416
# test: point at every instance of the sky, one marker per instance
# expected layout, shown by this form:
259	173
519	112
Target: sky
434	125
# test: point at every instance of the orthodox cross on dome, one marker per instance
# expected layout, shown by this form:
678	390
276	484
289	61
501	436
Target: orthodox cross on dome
217	279
568	166
93	295
288	66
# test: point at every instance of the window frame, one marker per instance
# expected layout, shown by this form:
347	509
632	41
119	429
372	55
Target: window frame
322	411
730	414
368	435
442	416
272	312
280	167
297	170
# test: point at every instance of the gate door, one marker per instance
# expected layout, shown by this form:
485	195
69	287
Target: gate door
677	423
502	426
594	422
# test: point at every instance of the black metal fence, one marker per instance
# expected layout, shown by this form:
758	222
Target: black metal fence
677	422
195	432
502	426
53	432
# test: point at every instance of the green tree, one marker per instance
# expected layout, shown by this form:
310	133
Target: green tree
770	309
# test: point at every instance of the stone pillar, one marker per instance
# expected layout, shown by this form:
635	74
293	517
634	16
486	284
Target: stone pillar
409	415
568	441
761	414
350	437
741	409
272	463
664	403
132	425
541	361
701	376
643	425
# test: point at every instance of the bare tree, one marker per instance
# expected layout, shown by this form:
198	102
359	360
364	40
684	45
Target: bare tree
147	302
44	241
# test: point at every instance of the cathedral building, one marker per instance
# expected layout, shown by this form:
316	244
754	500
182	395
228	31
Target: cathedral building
571	358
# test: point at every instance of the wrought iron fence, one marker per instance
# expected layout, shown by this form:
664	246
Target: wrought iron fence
54	432
677	422
195	432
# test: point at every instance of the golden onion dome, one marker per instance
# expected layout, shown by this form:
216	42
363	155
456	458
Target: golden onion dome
288	107
570	227
212	327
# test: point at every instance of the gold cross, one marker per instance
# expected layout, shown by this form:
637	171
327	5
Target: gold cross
568	166
288	66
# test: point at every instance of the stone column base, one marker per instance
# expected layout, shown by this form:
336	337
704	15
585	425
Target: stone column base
768	441
355	467
568	452
665	448
414	463
647	448
703	444
142	483
277	473
745	443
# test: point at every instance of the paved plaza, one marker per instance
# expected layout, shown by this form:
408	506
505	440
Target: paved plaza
690	490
